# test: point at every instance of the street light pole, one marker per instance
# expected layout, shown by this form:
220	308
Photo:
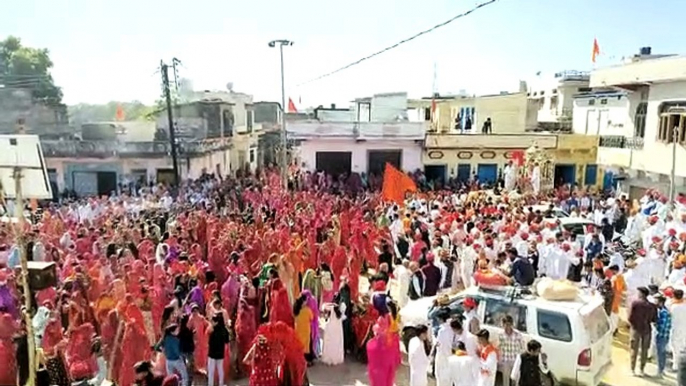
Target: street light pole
284	140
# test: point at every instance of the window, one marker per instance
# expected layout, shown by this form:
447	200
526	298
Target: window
603	101
555	91
455	308
496	310
554	325
640	120
596	324
253	155
591	102
584	89
427	114
553	103
672	122
542	92
577	230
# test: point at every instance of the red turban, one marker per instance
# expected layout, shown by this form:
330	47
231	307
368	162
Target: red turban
379	286
469	303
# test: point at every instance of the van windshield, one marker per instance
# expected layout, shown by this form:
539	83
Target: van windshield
596	323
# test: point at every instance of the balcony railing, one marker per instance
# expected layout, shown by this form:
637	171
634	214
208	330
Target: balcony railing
620	142
106	149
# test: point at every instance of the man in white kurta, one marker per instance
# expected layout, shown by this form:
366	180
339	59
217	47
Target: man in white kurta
510	176
402	272
678	333
467	261
536	179
419	361
488	360
464	368
444	348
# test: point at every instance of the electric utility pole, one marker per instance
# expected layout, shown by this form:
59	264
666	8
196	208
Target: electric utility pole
164	69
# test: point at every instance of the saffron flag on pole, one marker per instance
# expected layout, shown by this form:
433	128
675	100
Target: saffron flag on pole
596	50
396	184
291	106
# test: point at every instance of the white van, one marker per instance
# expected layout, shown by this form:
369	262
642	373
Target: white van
576	335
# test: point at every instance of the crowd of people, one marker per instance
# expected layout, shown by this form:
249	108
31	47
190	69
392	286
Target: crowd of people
237	278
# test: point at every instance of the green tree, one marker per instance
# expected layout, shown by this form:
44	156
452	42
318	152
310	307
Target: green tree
28	68
133	111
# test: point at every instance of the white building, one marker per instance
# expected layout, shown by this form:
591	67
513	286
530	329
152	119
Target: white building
603	112
642	125
551	99
362	139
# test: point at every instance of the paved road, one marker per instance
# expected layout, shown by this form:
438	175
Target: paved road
355	374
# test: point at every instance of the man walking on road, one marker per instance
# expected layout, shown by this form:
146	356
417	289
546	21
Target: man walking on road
678	335
510	347
642	315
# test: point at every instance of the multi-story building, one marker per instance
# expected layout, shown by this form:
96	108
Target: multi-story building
455	114
214	135
362	139
18	105
641	122
551	100
450	151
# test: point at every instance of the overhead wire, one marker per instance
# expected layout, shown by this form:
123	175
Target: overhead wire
409	39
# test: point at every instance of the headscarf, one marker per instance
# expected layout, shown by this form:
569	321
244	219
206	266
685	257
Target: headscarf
311	302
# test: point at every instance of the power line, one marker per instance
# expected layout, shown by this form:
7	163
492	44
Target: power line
415	36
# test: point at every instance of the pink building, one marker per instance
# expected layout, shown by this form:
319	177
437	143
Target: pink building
362	147
362	139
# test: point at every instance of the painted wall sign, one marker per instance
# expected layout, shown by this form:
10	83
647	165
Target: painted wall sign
464	154
435	154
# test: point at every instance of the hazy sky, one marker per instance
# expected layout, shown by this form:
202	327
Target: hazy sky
109	50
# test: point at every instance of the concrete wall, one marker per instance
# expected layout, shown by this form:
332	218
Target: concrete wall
664	69
18	104
335	116
603	115
657	156
389	107
267	112
507	112
63	168
411	159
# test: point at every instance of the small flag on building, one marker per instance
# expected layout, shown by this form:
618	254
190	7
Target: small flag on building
291	106
596	50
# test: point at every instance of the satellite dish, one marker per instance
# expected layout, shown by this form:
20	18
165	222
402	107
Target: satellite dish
229	86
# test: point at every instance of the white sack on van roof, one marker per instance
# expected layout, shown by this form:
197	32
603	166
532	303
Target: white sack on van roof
550	289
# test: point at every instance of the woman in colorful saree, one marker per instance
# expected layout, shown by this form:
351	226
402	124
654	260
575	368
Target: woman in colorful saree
8	360
52	345
246	328
383	361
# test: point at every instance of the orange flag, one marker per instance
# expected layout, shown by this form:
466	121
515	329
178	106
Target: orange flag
396	184
119	115
291	106
596	50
